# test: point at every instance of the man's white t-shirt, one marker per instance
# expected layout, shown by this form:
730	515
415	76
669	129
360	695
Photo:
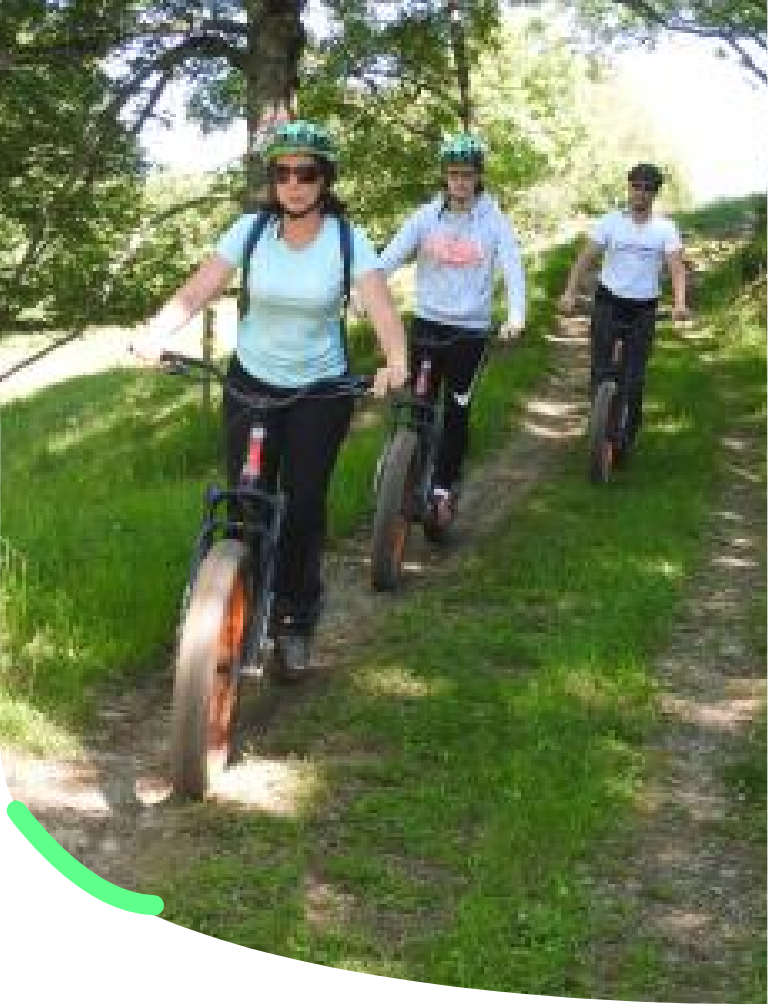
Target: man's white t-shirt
634	253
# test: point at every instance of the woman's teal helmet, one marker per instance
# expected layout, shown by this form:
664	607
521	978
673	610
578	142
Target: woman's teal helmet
300	138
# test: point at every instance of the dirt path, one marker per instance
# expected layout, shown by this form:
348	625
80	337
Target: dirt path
688	882
111	806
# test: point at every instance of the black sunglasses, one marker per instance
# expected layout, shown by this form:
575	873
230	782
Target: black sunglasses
643	186
305	174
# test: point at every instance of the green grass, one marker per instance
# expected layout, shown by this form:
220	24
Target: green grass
102	483
455	777
489	731
746	774
723	215
732	311
111	472
466	764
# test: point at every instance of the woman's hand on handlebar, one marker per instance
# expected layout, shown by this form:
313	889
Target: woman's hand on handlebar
146	355
148	345
390	377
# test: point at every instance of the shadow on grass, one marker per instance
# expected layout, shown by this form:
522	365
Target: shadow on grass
420	812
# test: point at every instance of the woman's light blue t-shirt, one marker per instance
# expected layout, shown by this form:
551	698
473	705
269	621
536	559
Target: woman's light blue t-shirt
291	332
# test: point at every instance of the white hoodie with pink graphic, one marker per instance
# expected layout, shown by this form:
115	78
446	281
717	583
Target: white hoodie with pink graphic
457	255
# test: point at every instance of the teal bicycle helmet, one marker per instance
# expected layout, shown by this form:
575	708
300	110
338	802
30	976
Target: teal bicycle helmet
300	138
462	149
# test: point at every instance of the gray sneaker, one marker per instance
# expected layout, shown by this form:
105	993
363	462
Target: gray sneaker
292	652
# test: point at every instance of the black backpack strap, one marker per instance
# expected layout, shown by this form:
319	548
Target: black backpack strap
345	242
262	219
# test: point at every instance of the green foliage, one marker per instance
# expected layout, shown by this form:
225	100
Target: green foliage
69	195
181	218
455	778
121	462
387	88
582	129
738	25
559	129
384	80
456	784
753	256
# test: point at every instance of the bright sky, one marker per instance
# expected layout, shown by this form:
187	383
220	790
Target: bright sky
183	147
713	117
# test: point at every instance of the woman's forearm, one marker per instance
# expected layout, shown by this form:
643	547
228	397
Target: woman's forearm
204	285
382	311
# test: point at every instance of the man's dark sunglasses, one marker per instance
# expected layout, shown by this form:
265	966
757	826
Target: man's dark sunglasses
305	174
643	185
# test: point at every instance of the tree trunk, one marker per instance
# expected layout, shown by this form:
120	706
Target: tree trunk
275	43
458	45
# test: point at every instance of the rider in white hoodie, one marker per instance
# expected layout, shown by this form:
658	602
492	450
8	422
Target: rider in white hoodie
459	239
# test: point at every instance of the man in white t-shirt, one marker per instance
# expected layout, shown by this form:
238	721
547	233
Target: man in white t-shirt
635	245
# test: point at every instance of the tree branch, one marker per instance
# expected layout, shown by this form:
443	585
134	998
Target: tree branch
211	198
747	61
95	47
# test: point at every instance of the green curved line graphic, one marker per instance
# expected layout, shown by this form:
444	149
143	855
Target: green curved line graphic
76	872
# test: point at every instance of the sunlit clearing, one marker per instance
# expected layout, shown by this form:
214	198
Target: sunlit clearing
727	716
76	431
383	968
397	680
582	685
142	392
586	685
178	404
661	566
49	644
624	783
280	788
568	337
42	646
751	335
45	785
553	420
674	424
23	724
591	688
138	393
734	562
549	433
554	409
702	334
686	922
326	905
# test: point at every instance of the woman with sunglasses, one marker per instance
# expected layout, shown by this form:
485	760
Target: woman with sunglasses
291	335
635	244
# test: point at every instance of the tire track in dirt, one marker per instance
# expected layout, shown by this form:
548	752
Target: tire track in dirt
687	882
111	806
